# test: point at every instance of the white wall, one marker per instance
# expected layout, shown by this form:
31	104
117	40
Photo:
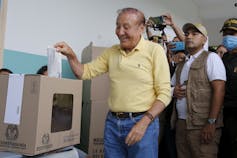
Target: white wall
213	14
32	25
3	12
213	28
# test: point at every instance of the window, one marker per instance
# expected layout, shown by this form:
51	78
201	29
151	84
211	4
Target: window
62	112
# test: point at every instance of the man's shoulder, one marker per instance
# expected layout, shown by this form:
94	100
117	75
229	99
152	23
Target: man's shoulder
213	56
229	58
230	54
154	46
112	49
214	60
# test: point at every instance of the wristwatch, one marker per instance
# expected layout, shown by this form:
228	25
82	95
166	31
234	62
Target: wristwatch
211	121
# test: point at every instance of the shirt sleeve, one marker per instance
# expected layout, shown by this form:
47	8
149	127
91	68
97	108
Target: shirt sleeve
173	79
215	68
161	75
96	67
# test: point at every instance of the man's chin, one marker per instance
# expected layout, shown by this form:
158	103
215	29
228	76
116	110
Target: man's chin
123	46
189	47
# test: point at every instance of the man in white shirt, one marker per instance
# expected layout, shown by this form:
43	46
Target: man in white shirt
199	86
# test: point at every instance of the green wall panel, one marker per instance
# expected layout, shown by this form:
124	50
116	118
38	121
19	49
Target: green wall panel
26	63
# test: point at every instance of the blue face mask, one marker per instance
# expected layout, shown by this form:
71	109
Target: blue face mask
230	42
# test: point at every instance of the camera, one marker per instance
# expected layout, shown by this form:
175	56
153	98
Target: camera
157	23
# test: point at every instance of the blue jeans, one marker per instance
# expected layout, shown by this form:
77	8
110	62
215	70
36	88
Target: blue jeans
116	131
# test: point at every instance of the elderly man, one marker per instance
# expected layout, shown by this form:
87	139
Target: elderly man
199	89
139	90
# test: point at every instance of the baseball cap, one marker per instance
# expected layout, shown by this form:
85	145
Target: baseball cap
230	24
197	26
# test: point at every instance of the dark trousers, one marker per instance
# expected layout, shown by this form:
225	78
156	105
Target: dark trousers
228	144
167	147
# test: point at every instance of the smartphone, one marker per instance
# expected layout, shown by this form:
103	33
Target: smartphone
159	20
179	46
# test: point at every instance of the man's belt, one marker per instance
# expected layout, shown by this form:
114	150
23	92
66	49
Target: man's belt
127	114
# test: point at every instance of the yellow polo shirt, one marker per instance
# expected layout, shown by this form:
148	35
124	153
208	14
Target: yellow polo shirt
137	79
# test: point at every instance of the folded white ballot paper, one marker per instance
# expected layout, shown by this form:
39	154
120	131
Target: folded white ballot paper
54	63
14	99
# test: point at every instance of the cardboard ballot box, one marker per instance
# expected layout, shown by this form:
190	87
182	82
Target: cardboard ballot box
94	108
39	114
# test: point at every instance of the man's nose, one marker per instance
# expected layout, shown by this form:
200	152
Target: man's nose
120	31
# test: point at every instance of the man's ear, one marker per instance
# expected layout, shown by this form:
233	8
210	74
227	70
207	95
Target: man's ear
205	40
142	27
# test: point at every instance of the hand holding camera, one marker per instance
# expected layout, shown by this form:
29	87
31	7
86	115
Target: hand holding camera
156	22
149	23
168	20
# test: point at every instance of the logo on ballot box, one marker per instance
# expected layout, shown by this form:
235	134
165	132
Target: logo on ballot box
12	132
45	139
